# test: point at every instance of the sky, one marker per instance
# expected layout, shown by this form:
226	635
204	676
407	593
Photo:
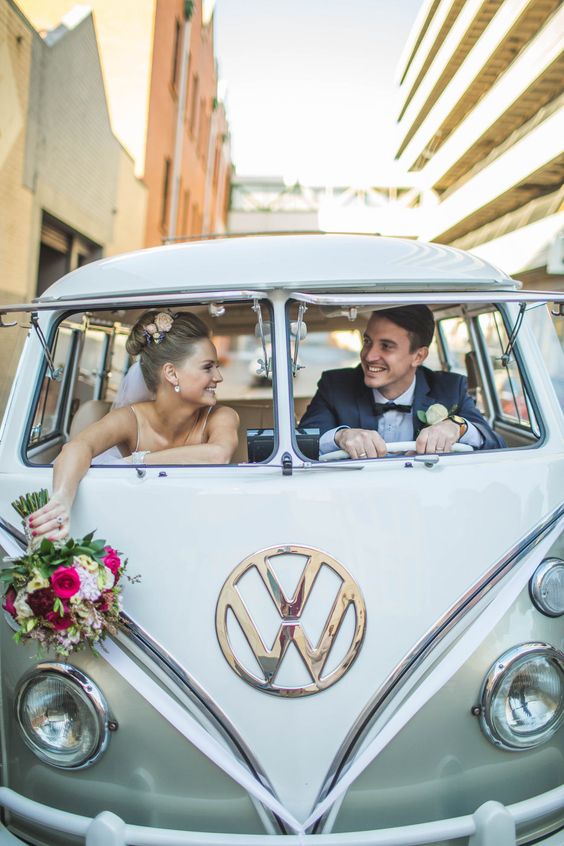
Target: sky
311	87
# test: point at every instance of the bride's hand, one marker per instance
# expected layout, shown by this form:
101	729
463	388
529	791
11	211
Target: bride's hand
53	520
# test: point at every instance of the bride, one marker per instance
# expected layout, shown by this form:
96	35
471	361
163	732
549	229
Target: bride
181	425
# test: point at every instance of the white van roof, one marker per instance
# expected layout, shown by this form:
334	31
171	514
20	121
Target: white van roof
300	262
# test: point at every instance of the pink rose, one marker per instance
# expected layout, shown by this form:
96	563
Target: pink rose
65	582
112	560
59	623
8	604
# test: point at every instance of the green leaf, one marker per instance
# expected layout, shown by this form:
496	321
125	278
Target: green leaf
7	575
88	537
422	416
58	606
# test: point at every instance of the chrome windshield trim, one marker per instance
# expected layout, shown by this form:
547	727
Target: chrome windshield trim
201	699
413	659
429	296
126	300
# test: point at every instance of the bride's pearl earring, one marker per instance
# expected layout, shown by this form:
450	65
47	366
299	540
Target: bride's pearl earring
177	389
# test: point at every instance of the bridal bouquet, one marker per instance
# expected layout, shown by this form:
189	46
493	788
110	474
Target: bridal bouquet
65	595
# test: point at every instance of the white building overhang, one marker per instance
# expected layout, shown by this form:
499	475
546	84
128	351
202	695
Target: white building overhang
466	208
515	90
526	248
469	81
456	43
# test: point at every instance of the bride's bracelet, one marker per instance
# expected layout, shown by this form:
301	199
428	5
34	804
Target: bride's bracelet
139	457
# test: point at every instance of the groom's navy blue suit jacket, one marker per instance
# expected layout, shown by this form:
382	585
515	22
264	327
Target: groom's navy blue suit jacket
342	399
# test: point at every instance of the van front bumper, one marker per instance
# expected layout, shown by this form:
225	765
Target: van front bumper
493	824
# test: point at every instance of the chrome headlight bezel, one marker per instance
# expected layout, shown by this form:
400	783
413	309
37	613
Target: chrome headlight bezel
508	663
80	684
536	586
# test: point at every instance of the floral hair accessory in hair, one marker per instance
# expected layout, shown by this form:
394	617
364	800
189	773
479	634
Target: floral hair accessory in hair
156	332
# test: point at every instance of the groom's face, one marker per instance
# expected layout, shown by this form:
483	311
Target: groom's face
387	360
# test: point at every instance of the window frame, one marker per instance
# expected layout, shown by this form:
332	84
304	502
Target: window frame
71	372
467	305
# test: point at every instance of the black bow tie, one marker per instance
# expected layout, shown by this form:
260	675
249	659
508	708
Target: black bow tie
382	407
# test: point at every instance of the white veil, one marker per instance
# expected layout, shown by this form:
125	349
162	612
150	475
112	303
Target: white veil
133	388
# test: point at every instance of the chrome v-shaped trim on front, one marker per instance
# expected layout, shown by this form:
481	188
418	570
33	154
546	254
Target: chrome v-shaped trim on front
180	677
414	658
187	684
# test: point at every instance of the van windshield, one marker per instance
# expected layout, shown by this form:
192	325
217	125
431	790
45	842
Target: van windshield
435	364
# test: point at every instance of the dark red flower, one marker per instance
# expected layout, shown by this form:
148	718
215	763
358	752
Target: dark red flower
59	623
41	601
105	602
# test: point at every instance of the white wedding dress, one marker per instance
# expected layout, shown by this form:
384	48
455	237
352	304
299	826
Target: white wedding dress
132	389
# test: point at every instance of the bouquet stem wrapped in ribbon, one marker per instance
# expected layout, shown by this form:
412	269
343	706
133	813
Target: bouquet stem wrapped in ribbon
64	595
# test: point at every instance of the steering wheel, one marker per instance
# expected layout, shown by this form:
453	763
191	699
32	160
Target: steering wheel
397	447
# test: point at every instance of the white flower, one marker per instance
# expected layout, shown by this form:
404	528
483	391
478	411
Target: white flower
86	562
21	605
436	413
37	581
88	584
164	321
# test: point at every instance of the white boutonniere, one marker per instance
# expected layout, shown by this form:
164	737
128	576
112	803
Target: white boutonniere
436	413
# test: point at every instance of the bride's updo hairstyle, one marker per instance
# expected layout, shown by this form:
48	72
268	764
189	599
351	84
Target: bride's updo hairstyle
159	337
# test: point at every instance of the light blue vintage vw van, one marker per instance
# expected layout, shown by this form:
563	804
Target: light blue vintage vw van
328	652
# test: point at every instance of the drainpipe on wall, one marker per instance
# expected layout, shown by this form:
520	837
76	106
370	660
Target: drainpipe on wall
180	115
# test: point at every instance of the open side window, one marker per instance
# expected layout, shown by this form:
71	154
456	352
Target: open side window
88	352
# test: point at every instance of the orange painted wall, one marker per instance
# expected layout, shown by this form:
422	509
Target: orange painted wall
201	95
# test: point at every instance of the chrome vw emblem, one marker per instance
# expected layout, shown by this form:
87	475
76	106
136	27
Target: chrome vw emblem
235	614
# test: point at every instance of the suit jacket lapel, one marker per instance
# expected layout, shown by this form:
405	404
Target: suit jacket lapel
365	403
422	399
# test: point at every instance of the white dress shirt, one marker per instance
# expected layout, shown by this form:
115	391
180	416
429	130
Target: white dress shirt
394	426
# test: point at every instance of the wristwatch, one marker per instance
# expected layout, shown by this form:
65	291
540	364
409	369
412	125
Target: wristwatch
461	422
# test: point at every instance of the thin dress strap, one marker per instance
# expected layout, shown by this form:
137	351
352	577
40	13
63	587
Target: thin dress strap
137	426
206	417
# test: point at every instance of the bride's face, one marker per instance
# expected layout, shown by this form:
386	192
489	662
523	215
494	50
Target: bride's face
198	376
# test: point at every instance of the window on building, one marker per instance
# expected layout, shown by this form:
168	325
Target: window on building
176	52
165	192
194	104
184	229
201	127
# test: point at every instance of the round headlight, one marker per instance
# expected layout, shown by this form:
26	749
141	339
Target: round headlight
63	716
522	697
547	587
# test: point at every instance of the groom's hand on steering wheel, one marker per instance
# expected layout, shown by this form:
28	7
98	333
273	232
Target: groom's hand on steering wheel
361	443
438	438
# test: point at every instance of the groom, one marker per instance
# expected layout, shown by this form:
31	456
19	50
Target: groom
360	410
